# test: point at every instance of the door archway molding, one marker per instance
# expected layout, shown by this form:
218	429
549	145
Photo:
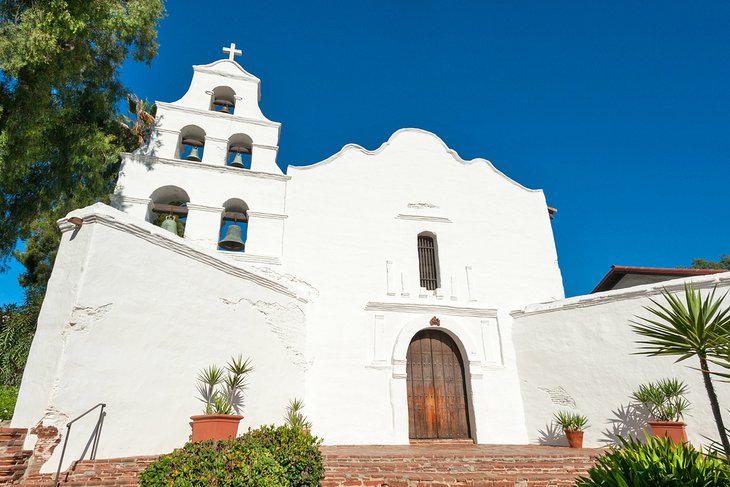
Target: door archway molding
469	347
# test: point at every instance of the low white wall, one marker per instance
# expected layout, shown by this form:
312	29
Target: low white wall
145	313
579	354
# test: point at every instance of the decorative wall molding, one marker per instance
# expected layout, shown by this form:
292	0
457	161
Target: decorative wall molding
150	160
262	146
424	218
120	199
253	258
218	115
637	292
431	309
162	238
271	216
211	209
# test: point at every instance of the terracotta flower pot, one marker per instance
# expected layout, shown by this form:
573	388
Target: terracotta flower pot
675	431
575	438
215	426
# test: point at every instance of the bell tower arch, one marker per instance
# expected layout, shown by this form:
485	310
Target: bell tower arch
216	143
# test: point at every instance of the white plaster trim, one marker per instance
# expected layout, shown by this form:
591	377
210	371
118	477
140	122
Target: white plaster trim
450	151
271	216
211	114
201	165
432	309
211	209
607	297
120	198
262	146
207	68
424	218
244	257
215	139
103	215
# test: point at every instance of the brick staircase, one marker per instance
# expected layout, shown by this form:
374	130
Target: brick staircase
446	465
116	472
13	459
425	465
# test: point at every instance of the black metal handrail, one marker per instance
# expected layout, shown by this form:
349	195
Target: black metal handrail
93	439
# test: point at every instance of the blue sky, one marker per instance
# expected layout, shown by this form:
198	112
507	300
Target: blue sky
619	111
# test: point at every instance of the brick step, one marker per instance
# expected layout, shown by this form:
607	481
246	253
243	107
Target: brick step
454	483
450	465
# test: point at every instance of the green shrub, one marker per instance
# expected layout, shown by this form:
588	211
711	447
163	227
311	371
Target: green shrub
8	396
267	457
295	450
224	463
657	463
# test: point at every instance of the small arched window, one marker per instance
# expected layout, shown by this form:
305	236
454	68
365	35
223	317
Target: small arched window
240	151
170	209
234	226
223	100
428	261
192	141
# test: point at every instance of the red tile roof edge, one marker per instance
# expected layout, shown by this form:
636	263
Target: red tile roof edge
618	271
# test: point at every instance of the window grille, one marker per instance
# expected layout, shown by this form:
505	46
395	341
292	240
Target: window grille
427	262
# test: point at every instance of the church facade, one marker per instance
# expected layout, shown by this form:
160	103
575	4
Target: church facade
393	290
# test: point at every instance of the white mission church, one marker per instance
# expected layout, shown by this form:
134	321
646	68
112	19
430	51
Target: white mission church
403	293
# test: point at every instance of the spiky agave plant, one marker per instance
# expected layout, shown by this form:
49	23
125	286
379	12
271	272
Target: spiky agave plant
570	421
221	388
294	416
663	399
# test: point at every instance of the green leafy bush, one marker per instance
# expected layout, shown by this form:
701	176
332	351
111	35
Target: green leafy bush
296	451
17	327
8	396
224	463
267	457
658	463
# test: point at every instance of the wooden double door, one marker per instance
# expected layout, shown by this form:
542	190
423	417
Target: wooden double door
437	398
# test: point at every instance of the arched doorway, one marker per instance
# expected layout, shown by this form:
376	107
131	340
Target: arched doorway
437	398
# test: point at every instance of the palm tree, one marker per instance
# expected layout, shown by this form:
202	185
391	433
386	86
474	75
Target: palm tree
695	327
144	118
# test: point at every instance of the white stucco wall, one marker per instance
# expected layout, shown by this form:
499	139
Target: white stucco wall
351	233
133	313
578	354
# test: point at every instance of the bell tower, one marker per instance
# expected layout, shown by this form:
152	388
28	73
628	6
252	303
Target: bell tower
211	164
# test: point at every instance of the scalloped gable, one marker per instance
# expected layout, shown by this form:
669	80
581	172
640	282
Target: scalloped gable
427	141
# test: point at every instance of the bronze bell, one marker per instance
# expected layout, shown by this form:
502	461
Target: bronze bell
232	240
194	154
224	104
237	161
169	224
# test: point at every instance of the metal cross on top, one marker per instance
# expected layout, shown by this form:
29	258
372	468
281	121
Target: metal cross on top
232	51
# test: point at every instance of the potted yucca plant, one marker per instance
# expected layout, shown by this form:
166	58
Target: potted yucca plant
573	425
221	390
665	402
